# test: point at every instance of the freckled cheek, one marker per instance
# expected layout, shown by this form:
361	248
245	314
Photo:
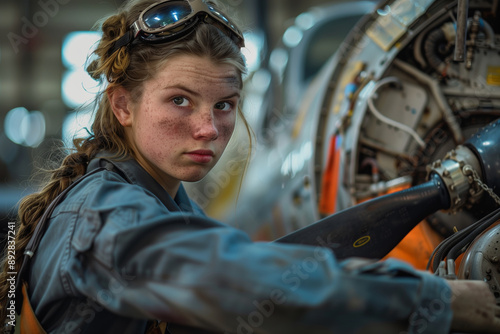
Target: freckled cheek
226	128
161	136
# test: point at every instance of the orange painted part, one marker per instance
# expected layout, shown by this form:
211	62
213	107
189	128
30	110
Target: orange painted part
329	184
416	248
28	321
458	261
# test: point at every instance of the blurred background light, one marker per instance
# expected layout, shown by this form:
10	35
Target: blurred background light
292	36
77	46
24	127
12	124
76	125
305	20
262	80
253	50
384	11
33	129
278	61
77	87
254	96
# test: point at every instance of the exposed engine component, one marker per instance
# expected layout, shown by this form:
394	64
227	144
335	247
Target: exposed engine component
456	171
391	110
373	228
414	103
479	242
482	259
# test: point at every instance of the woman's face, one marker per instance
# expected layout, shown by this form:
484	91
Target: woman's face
184	119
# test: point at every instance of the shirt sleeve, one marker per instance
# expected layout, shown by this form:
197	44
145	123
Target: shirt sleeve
139	260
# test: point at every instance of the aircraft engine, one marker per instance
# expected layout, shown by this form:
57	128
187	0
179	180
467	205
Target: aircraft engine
413	81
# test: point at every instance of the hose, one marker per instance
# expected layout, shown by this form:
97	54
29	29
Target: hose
387	120
454	245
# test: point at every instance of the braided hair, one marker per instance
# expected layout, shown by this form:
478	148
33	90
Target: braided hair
128	67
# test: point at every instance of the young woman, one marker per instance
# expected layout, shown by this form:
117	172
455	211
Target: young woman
125	250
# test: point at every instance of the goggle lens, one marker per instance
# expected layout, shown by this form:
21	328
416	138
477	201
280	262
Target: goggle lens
220	16
166	14
168	20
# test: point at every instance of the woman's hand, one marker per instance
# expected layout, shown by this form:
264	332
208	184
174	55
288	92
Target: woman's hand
474	307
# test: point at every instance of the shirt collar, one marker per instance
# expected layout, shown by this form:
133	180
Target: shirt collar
133	172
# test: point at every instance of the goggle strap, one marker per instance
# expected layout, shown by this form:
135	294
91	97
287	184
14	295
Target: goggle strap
122	41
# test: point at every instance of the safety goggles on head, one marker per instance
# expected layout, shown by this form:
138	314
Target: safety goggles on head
169	20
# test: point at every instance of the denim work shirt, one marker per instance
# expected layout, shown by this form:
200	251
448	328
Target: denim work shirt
119	251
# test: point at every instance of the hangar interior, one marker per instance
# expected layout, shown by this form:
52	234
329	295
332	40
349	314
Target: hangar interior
349	101
43	50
